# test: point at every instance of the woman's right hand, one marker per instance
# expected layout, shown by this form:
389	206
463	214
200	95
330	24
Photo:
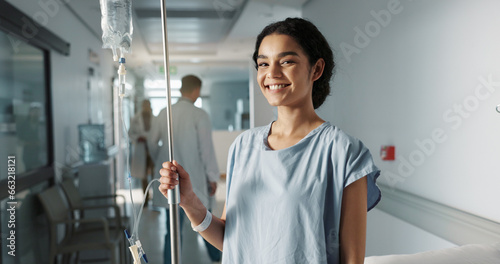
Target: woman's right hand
172	174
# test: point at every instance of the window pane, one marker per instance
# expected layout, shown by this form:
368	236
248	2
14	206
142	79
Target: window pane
23	127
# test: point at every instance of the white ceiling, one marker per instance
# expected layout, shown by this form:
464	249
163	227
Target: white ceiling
211	38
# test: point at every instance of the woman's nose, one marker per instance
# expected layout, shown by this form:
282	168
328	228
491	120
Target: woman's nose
274	71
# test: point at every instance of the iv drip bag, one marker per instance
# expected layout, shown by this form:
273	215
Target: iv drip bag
116	24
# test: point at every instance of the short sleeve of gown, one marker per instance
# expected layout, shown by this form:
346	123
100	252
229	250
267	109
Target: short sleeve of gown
359	163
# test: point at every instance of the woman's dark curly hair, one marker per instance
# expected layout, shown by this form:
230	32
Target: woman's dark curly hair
314	45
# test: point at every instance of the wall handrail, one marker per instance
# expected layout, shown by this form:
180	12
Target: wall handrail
449	223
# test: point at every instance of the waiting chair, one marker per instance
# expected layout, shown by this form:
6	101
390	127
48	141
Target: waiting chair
78	207
58	213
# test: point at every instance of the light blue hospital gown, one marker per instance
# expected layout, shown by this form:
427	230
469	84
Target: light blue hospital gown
283	206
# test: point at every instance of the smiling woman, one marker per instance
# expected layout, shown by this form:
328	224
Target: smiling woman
284	72
298	189
311	43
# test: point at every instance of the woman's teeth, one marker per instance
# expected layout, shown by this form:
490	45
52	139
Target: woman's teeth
277	86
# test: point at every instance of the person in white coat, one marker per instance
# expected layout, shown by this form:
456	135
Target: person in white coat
192	142
142	164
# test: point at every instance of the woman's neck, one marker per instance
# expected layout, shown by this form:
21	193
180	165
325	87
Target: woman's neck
296	121
292	126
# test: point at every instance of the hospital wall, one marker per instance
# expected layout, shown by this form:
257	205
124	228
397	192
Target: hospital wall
422	76
70	78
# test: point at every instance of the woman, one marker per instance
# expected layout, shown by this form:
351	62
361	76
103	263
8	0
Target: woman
139	133
298	189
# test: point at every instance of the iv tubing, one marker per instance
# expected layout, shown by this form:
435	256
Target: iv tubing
121	75
136	246
136	223
121	93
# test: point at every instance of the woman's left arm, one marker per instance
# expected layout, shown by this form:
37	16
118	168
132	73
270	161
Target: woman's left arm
353	223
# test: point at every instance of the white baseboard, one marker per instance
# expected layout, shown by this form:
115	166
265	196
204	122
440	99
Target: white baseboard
449	223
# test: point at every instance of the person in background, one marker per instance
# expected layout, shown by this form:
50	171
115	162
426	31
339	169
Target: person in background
192	141
142	164
298	189
28	133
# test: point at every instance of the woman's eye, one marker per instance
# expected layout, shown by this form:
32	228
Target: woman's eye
287	62
262	64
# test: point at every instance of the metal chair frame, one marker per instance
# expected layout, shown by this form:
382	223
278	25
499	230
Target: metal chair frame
101	237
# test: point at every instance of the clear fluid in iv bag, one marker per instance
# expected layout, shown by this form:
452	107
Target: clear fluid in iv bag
116	24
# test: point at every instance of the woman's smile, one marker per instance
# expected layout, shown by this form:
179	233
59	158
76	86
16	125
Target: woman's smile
277	87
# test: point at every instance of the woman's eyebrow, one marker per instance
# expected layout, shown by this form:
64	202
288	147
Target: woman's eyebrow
288	53
281	55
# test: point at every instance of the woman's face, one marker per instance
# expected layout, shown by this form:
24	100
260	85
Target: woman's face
284	73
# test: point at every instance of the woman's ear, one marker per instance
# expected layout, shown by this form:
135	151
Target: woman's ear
317	69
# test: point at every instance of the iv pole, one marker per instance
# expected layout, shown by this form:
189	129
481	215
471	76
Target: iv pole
173	195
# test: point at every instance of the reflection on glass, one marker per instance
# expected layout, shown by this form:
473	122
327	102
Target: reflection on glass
229	105
30	132
23	128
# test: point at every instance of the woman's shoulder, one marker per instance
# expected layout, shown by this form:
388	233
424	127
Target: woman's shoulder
255	131
252	133
252	137
335	135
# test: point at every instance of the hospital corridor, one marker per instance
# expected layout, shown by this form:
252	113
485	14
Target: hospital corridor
249	131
